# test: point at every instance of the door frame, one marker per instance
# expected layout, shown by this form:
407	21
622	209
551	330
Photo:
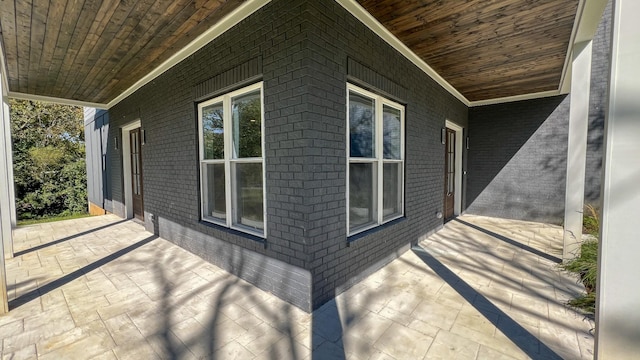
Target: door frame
457	183
126	166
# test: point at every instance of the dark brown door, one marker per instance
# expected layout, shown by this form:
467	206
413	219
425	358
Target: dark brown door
136	174
449	174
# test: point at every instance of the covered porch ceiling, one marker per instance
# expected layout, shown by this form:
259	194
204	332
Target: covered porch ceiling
95	53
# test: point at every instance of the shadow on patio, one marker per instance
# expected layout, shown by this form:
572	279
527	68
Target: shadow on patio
479	288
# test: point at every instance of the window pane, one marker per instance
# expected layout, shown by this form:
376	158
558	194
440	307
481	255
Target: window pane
248	187
392	190
213	132
214	195
391	133
247	128
362	195
361	126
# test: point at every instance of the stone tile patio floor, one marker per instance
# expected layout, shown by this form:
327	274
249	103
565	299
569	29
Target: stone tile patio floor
103	288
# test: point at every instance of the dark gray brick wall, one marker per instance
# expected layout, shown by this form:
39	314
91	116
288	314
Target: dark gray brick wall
343	49
517	161
598	106
270	45
305	52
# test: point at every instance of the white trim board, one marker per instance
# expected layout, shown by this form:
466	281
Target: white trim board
55	100
457	201
126	167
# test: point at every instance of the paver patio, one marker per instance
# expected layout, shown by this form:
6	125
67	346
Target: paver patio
103	288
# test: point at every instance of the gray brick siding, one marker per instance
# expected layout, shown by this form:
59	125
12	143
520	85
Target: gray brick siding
598	106
343	49
269	46
517	159
305	52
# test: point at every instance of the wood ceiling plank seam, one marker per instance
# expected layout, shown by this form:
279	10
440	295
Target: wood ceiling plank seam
10	42
425	50
79	38
455	12
489	83
159	54
60	39
475	12
179	14
108	42
130	17
516	85
473	31
504	90
139	67
99	35
501	55
23	31
143	42
478	34
385	13
493	75
39	13
507	48
52	31
67	26
141	10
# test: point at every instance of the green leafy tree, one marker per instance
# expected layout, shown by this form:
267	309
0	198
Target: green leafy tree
49	159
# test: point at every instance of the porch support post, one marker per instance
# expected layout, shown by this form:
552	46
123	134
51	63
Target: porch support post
5	218
6	182
618	293
577	149
11	187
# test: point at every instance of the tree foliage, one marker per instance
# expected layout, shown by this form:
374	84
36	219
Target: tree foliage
49	159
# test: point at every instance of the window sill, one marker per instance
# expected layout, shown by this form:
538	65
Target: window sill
245	233
364	233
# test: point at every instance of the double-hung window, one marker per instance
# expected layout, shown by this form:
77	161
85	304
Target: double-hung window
375	171
231	135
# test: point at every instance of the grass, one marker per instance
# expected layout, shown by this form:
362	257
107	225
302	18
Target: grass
591	221
52	219
586	265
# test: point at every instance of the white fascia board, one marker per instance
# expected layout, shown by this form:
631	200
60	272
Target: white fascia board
55	100
229	21
588	18
509	99
368	20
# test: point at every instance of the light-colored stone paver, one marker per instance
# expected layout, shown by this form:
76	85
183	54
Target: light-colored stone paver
103	288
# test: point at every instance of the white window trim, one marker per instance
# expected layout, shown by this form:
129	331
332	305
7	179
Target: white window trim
228	159
379	160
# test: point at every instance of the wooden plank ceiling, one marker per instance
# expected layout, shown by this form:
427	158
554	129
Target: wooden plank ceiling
486	49
93	50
